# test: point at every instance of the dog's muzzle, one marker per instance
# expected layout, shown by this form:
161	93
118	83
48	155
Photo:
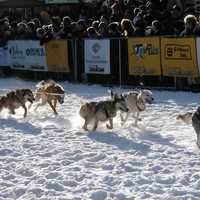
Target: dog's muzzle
61	99
150	101
31	99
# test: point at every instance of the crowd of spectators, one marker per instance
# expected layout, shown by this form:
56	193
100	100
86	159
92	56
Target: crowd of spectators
119	19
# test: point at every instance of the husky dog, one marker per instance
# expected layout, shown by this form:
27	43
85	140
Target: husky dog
136	103
186	118
16	99
196	124
102	111
49	92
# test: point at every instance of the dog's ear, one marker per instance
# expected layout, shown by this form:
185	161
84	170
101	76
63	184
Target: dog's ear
139	96
41	83
198	109
110	92
10	94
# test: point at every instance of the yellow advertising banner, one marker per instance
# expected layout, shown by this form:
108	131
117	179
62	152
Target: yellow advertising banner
57	56
179	57
144	56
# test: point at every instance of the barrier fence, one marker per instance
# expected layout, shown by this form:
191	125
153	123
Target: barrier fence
113	60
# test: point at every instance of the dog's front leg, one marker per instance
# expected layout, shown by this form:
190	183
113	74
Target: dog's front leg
85	125
30	105
111	124
121	117
25	111
136	119
123	120
55	103
95	125
54	110
40	104
198	139
12	111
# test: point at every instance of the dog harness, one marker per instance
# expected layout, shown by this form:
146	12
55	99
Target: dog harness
139	108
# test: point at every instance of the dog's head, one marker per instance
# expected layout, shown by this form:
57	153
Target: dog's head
119	101
179	117
41	84
198	111
27	94
61	93
146	95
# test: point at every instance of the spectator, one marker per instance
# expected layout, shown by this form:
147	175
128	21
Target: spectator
5	31
139	25
22	31
55	27
191	26
104	19
37	23
31	31
116	14
81	28
155	29
92	33
113	30
66	29
102	29
95	24
127	28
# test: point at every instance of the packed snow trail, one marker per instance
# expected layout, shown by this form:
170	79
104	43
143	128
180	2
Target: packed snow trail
44	157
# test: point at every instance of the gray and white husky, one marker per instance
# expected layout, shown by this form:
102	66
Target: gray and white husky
136	103
103	111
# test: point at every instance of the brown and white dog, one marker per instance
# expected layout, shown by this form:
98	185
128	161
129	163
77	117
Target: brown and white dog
194	119
49	92
16	99
186	117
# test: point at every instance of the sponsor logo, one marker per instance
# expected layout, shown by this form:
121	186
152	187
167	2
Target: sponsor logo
96	48
14	51
96	68
140	50
178	52
35	52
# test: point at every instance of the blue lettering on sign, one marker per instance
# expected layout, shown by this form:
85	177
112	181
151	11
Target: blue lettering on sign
35	52
140	50
15	51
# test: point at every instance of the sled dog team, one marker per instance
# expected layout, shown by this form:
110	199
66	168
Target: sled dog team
50	92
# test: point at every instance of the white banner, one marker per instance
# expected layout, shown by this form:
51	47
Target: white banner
198	53
27	55
97	56
3	57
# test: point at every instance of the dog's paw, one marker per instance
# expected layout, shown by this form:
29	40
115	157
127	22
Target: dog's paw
85	128
109	127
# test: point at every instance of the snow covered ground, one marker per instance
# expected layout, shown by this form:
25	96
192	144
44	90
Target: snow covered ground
51	158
